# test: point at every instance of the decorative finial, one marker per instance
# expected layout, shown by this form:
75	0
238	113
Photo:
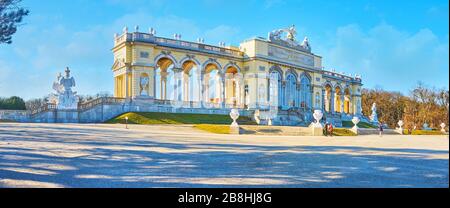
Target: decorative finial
136	28
125	29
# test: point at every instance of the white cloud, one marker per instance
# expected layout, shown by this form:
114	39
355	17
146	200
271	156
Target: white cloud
39	53
221	33
389	57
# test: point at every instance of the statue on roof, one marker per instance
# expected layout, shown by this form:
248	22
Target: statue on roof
305	44
290	39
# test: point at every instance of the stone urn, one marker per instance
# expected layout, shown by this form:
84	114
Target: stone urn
442	127
317	116
355	121
234	114
400	124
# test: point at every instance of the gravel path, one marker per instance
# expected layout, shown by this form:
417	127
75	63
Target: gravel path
102	155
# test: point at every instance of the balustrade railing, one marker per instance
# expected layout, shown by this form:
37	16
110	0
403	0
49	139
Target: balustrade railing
145	37
44	108
103	100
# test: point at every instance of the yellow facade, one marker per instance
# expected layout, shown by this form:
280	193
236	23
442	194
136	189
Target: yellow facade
147	66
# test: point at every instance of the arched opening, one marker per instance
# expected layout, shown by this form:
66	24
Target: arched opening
191	81
305	92
338	99
232	88
290	90
327	98
164	79
275	89
347	101
213	84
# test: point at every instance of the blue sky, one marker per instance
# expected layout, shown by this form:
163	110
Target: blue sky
392	44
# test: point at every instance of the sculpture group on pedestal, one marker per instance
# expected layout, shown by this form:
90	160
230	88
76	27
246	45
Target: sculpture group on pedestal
374	116
64	98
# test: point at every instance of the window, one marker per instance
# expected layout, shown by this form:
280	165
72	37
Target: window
144	54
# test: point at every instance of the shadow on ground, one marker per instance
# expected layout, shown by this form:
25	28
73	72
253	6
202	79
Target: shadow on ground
76	157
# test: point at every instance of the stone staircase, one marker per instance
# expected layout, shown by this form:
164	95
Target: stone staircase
365	131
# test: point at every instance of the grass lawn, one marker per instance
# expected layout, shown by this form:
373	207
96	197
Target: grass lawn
214	128
149	118
360	124
343	132
6	121
423	132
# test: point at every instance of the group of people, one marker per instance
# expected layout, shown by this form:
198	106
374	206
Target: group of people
328	129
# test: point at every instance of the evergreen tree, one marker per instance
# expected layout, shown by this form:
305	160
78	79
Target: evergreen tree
11	15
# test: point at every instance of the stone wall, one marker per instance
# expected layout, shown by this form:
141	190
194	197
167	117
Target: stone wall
14	115
102	112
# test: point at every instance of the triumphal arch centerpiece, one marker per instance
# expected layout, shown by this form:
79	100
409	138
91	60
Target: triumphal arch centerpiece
278	74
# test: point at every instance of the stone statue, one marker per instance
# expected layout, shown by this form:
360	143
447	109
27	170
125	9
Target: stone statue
290	39
374	116
291	33
305	44
144	86
64	98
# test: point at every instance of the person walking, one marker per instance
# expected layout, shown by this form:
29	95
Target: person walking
380	129
325	129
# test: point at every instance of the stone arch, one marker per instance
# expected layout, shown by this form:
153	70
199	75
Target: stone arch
277	69
328	89
347	100
189	58
305	93
306	74
168	56
212	82
211	61
293	72
190	80
338	104
225	68
275	89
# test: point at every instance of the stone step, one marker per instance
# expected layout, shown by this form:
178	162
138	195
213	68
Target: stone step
365	131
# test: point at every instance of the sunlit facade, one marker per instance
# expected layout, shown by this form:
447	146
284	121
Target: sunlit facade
262	73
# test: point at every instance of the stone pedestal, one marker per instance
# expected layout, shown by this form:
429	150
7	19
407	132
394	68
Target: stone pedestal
316	131
234	129
354	129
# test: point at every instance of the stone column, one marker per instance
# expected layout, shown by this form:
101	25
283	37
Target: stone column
298	93
283	97
323	101
126	84
331	101
222	91
342	102
202	89
350	108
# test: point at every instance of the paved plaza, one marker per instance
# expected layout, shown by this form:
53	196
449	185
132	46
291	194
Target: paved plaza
101	155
